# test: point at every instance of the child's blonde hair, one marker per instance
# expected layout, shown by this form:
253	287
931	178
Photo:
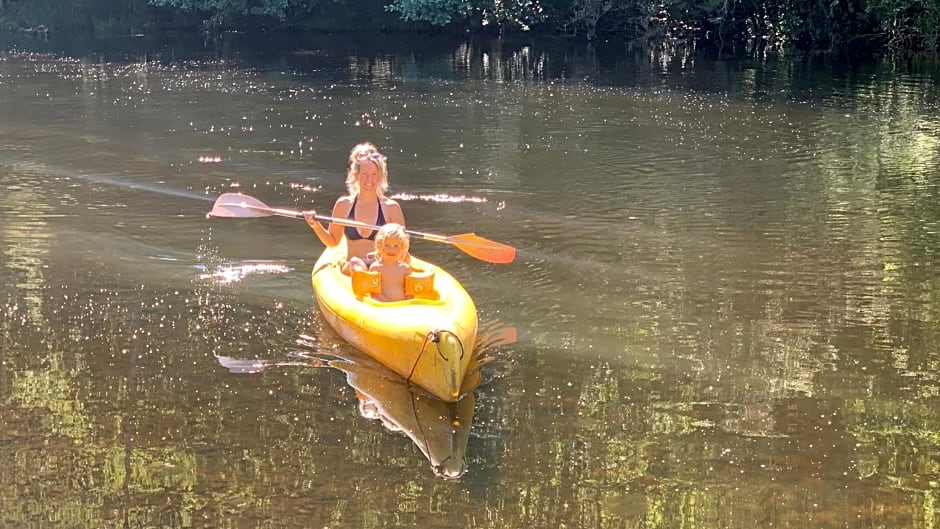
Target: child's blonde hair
393	231
361	153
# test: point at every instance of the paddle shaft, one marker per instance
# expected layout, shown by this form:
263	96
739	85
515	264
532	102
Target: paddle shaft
238	205
343	222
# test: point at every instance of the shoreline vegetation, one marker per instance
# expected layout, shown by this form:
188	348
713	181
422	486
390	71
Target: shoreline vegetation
741	26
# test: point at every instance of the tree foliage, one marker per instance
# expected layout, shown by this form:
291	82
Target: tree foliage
806	24
219	14
438	13
511	13
907	23
809	24
279	9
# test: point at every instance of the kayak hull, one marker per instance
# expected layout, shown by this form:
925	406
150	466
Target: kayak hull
429	342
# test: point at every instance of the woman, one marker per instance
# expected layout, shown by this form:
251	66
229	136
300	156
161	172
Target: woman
367	182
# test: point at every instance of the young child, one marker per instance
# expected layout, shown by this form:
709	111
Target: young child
391	248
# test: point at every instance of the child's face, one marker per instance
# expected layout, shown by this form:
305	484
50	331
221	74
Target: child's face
391	248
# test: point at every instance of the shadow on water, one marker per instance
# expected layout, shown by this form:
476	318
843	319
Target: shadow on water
441	430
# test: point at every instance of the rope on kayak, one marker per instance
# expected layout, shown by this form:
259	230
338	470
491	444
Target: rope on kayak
435	338
437	341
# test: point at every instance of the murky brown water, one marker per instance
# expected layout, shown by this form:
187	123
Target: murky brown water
726	291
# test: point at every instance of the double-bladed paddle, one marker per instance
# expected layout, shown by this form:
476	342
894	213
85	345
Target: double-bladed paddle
237	205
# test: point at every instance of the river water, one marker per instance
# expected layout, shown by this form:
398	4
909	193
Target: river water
725	299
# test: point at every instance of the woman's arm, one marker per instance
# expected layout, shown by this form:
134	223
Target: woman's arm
332	234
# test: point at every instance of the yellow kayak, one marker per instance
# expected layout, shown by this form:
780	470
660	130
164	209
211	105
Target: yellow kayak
428	339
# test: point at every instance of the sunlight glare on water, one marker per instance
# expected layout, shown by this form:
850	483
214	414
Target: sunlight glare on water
232	273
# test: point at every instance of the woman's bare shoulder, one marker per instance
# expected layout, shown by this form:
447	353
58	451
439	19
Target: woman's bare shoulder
342	206
393	211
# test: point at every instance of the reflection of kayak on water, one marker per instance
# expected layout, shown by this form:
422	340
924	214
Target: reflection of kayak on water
441	430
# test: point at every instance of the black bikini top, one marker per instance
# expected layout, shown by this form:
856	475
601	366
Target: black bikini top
352	233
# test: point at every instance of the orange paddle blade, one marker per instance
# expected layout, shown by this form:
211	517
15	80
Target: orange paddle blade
483	248
500	336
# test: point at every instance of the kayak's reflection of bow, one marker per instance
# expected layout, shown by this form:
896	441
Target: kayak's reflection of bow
441	430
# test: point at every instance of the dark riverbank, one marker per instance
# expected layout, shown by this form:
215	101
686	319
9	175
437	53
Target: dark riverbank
861	25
